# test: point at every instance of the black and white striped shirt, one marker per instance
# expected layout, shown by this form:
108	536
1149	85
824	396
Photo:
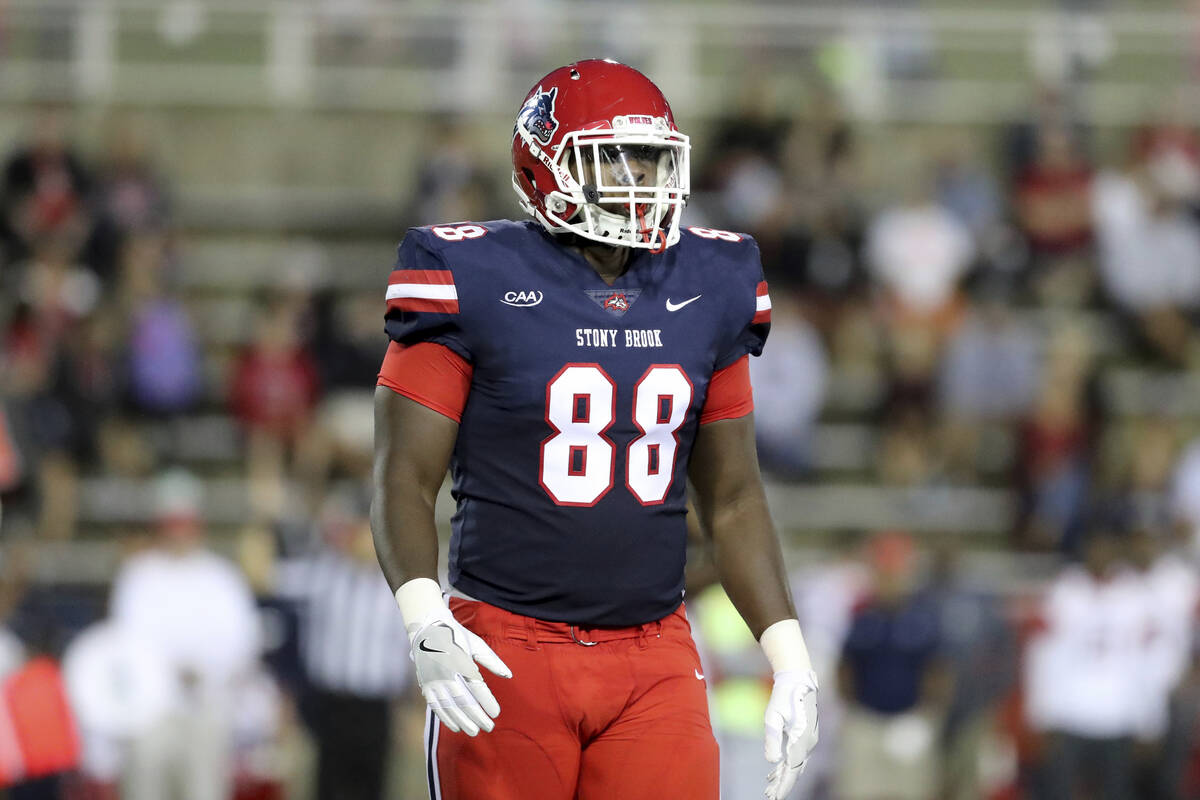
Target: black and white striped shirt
352	636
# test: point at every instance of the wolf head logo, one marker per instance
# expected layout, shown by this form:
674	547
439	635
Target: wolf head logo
537	115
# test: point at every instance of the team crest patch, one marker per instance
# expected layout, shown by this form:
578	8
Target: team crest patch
614	301
537	115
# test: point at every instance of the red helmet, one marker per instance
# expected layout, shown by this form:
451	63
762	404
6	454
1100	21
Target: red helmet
596	153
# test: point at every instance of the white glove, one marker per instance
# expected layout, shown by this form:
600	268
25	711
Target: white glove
791	725
791	719
444	653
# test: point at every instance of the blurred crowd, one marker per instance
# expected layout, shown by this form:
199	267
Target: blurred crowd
969	298
988	288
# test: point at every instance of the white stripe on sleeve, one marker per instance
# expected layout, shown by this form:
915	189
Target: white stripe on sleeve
422	291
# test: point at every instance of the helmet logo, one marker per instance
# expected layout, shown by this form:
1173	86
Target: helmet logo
537	115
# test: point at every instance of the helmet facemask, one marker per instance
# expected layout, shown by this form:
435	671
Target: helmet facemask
624	186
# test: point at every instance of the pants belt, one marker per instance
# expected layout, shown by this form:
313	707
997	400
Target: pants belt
550	632
533	631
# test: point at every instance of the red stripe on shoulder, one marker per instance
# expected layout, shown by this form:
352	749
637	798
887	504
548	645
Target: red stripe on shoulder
422	304
762	313
436	277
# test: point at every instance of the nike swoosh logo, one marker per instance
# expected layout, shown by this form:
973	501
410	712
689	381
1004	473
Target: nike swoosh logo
699	674
676	306
421	646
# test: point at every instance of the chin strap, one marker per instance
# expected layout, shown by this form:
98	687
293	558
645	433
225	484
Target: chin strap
650	234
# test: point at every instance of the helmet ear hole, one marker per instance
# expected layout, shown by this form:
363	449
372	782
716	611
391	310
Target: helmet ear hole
528	173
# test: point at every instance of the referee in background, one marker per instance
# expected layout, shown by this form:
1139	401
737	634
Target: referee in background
353	647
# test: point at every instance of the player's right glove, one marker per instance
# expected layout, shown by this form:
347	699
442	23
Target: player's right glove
444	654
791	718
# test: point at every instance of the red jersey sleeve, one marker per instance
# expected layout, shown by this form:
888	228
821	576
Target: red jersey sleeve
729	393
430	374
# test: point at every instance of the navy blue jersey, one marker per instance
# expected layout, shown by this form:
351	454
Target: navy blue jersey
570	465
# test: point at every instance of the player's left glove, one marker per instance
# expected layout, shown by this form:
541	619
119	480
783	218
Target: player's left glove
791	719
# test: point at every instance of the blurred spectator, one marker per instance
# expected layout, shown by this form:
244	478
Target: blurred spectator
89	379
197	610
45	190
1052	203
1150	247
821	261
1053	107
1083	675
41	745
990	369
908	453
49	417
819	250
1185	498
273	393
56	287
1052	195
452	184
826	597
988	374
346	343
965	188
355	651
981	652
789	388
918	251
121	686
348	354
893	683
163	358
1056	445
262	724
1140	498
1168	711
133	196
39	748
274	383
755	131
742	186
130	197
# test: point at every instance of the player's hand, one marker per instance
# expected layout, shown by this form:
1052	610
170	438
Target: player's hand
445	653
791	725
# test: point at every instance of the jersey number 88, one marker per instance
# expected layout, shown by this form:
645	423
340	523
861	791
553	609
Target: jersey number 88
579	461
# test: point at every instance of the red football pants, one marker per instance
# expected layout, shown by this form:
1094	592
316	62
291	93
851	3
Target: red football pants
625	718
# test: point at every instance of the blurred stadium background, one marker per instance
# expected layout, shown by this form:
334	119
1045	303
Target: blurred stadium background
978	413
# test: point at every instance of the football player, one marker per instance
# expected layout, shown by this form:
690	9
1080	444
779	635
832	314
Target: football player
573	371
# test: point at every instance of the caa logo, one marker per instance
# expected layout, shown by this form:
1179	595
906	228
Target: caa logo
522	299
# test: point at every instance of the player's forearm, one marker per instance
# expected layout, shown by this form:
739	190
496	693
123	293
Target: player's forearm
412	451
733	508
749	561
405	534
